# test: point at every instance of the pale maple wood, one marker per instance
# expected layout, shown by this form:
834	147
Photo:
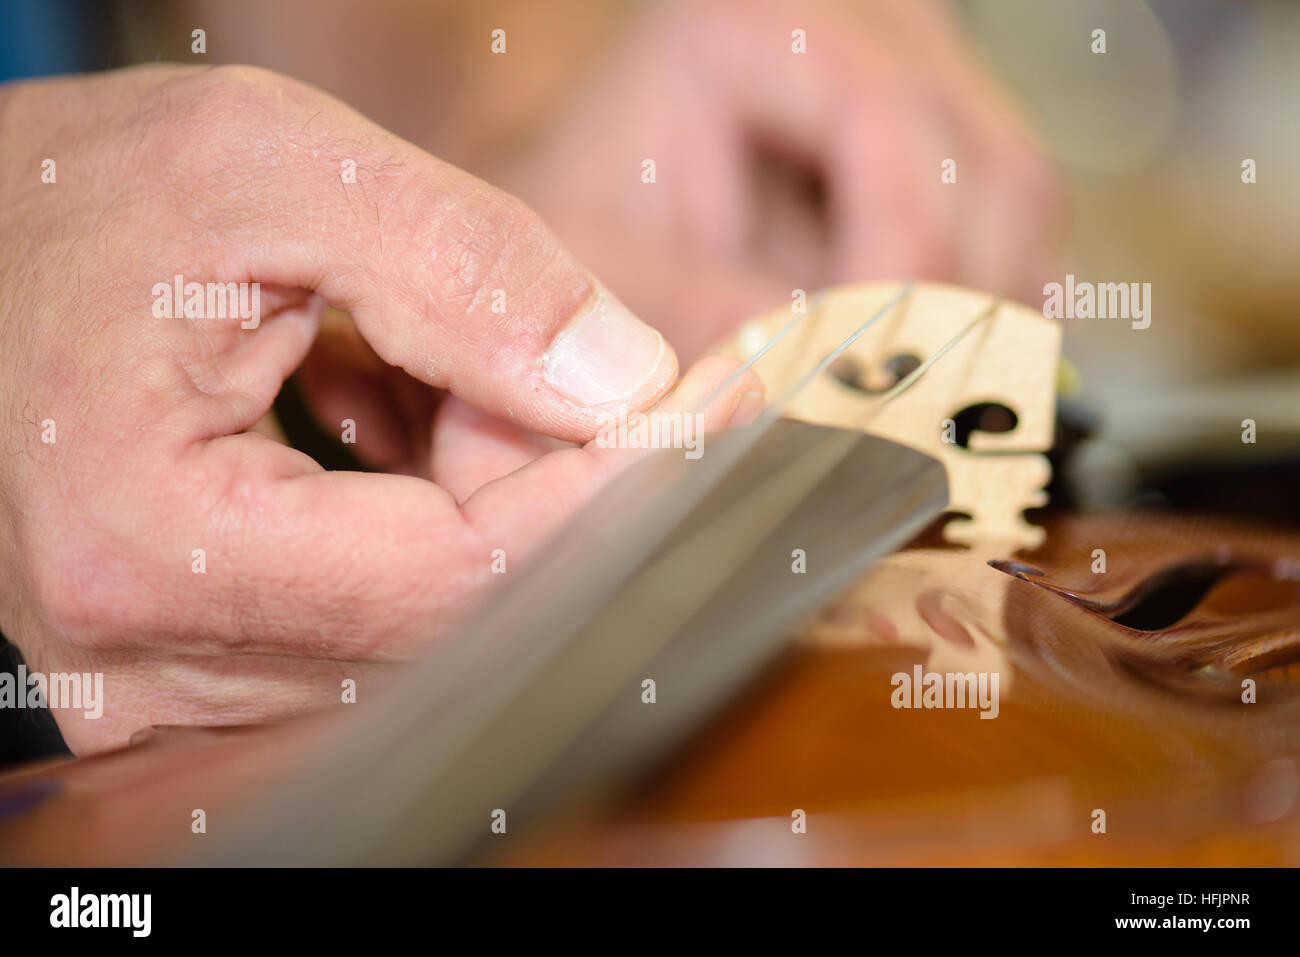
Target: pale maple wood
1010	359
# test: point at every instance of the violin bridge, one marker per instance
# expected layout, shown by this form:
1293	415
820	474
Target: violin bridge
952	372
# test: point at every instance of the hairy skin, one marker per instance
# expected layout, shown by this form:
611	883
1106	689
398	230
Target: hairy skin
231	174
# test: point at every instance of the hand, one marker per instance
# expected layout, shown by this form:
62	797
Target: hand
212	574
777	170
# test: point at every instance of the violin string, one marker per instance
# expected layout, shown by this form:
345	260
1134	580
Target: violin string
909	380
775	408
773	411
819	306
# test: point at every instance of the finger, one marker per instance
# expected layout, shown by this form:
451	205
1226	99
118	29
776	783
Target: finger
1013	202
954	68
448	278
351	395
560	481
471	448
696	303
891	218
849	108
230	377
300	562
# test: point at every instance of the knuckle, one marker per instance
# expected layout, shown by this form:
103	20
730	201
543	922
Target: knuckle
223	130
190	102
233	107
490	241
239	87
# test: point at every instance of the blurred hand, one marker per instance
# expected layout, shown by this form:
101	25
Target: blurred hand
212	574
777	170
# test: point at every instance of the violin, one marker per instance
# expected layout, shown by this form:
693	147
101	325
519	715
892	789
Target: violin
1016	686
